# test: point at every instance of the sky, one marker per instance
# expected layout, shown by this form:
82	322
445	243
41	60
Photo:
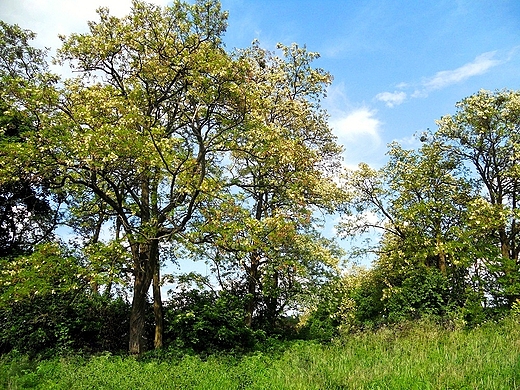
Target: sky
398	65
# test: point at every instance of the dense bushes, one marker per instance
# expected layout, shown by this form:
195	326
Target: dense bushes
205	321
62	322
201	321
208	321
370	299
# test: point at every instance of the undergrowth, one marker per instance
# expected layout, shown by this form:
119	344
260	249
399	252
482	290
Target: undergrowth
417	356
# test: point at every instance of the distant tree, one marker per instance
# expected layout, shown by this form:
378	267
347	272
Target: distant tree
420	203
485	135
451	207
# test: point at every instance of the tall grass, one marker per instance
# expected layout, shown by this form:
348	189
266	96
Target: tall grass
418	356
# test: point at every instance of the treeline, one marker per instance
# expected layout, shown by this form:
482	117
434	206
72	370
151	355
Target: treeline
164	147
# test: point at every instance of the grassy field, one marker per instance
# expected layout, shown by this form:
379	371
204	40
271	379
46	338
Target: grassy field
419	356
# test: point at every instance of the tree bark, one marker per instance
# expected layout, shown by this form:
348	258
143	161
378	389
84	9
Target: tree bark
273	300
143	271
137	343
251	288
157	305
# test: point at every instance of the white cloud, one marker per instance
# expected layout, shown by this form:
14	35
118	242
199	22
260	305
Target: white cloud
358	123
442	79
480	65
359	132
48	18
391	98
357	127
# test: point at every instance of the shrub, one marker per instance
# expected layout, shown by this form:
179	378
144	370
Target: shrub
207	321
56	323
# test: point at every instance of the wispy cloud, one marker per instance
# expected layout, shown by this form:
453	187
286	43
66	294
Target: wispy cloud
478	66
442	79
392	99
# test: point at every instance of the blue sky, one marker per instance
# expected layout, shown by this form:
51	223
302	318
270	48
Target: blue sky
398	65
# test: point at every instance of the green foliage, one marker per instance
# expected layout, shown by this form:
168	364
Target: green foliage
420	355
369	299
144	142
49	270
47	304
446	217
27	211
484	134
206	321
159	129
263	233
423	292
171	141
64	322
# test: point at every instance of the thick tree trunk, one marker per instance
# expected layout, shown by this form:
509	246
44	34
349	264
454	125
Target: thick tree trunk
143	269
137	342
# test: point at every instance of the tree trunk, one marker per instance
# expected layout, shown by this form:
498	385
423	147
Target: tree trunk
157	305
273	300
137	344
142	280
251	288
441	257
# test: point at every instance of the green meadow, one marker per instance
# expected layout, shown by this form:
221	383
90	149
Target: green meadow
412	356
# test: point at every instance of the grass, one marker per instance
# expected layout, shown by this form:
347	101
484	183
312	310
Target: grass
418	356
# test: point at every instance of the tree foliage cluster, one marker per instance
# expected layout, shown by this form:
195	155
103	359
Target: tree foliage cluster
445	221
164	146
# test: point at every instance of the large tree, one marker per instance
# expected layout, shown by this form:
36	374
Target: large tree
26	213
263	234
144	127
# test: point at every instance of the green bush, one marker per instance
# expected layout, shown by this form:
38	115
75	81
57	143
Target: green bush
425	291
57	323
369	299
207	321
